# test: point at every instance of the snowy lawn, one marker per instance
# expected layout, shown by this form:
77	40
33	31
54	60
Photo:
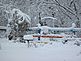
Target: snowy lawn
43	52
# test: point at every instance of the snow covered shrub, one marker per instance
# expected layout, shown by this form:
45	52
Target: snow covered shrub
18	22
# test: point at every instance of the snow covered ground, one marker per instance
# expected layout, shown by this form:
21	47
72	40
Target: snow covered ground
53	51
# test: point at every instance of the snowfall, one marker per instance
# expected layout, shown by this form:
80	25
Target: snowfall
51	51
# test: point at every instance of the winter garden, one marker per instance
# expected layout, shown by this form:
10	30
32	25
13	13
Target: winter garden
43	40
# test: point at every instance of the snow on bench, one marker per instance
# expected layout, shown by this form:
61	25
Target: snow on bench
28	37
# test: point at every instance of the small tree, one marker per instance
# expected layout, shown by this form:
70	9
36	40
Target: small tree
18	22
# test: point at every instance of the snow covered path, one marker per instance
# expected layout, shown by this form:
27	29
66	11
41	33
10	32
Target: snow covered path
55	52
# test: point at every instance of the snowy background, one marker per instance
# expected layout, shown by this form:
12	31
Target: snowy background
16	16
66	11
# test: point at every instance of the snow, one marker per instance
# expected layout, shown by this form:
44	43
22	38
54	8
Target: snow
73	25
46	28
38	25
48	17
3	27
28	37
52	51
21	14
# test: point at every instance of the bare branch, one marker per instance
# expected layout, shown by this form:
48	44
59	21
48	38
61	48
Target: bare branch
75	8
71	3
64	7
